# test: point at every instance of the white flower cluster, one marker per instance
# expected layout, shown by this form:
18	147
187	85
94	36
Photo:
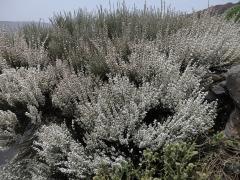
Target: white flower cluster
80	163
23	91
192	116
18	53
8	123
112	116
209	40
27	86
73	89
21	86
56	147
3	63
150	97
25	169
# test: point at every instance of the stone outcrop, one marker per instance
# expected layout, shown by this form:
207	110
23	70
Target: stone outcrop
217	91
233	86
226	90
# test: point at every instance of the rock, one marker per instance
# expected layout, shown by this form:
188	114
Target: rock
219	89
7	155
232	168
225	104
217	77
232	128
233	84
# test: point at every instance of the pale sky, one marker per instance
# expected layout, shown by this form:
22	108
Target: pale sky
34	10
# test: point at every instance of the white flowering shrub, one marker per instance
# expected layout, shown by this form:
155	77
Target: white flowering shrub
182	125
146	62
141	63
115	121
49	77
29	168
3	64
18	53
54	150
208	40
73	89
27	93
8	125
33	115
112	96
28	86
21	86
116	129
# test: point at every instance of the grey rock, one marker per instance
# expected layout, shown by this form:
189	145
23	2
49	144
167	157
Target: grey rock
219	88
7	155
233	84
232	128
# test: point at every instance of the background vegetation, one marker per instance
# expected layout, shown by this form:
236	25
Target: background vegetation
117	94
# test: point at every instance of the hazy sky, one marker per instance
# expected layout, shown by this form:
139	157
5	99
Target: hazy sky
34	10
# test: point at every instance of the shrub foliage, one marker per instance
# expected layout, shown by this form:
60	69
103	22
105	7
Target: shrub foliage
112	95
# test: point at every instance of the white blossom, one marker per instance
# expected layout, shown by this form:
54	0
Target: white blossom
8	123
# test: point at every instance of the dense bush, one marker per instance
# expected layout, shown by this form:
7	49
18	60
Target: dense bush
17	53
234	13
8	125
110	95
209	41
